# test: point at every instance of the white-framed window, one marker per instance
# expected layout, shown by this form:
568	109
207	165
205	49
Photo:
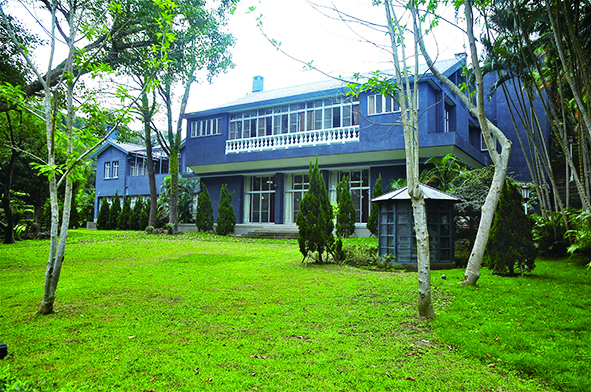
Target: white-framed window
296	186
337	112
115	173
259	199
200	128
138	167
378	104
360	191
107	170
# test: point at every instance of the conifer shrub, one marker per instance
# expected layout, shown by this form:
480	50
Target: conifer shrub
346	211
145	214
511	243
204	214
226	217
123	220
102	220
135	214
315	218
374	216
114	212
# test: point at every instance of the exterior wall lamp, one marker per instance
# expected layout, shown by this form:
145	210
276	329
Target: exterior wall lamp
525	190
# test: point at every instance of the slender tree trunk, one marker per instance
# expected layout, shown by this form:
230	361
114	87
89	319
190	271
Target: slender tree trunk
6	198
408	101
147	118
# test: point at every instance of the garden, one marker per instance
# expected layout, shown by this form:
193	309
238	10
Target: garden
197	311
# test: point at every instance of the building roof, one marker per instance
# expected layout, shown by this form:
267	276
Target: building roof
261	98
123	147
429	192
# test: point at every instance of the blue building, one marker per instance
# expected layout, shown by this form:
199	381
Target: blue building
121	168
261	145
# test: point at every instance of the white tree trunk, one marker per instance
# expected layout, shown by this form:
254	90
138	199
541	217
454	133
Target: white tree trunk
408	101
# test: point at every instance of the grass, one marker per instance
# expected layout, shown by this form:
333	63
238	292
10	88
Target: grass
200	312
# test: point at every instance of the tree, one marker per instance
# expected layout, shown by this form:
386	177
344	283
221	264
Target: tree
145	214
346	215
446	172
204	215
199	45
123	220
135	215
490	132
226	218
102	221
114	212
511	237
315	218
374	217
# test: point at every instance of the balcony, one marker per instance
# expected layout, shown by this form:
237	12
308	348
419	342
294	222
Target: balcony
293	140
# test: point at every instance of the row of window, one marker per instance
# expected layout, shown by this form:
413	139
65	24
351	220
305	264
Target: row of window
259	202
209	127
137	167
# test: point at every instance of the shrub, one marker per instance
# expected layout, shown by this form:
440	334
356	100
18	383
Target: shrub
145	215
114	212
170	228
204	214
346	211
315	218
226	218
373	220
149	229
548	235
580	236
135	215
364	256
102	221
511	237
123	220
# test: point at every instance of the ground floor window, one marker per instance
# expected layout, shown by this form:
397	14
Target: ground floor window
259	201
296	186
360	192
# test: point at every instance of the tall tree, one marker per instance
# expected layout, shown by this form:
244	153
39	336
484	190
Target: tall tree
346	211
315	218
108	32
226	217
374	217
204	214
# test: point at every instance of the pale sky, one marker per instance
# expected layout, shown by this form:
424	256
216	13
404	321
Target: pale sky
335	47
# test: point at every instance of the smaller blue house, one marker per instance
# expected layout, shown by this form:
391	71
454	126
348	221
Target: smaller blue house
121	168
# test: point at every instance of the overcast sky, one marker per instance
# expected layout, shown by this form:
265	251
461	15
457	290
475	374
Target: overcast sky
333	46
305	33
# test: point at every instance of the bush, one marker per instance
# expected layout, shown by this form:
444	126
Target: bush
226	217
373	220
114	212
135	215
123	220
315	218
580	235
149	229
170	228
548	235
363	256
346	211
102	221
145	215
204	214
511	237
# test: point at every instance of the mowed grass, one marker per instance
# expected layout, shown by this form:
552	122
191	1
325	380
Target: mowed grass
201	312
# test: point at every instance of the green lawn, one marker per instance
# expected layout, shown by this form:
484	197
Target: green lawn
200	312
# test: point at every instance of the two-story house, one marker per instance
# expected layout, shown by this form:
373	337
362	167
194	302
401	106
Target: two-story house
261	145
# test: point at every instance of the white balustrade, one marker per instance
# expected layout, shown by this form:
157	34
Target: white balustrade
292	140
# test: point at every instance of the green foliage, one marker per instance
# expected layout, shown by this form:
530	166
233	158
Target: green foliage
114	212
511	237
135	215
186	190
346	211
315	218
204	215
170	228
445	173
102	221
363	256
397	184
149	229
374	216
145	214
548	235
580	236
226	218
123	220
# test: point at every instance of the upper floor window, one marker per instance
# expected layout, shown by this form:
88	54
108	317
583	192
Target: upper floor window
449	117
337	112
137	167
115	173
206	127
107	170
378	103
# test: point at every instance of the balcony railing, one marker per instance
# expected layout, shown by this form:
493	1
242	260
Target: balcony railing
292	140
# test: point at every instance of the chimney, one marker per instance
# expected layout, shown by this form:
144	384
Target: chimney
461	56
257	84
